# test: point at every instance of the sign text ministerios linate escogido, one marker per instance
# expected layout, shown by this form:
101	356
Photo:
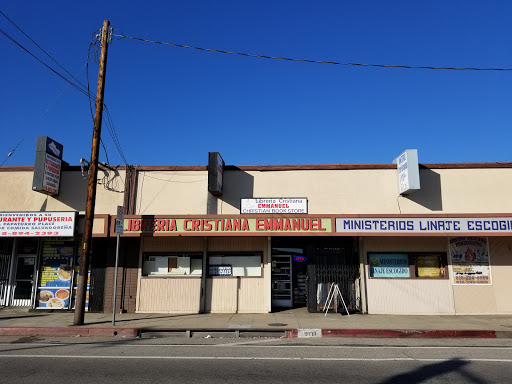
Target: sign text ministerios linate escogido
228	225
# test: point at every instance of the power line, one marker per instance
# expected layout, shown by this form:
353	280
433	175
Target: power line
108	122
105	149
12	152
38	46
81	87
113	134
41	118
122	36
47	66
42	62
94	42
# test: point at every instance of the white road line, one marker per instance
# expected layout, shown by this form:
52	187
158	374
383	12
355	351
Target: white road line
249	343
252	345
245	358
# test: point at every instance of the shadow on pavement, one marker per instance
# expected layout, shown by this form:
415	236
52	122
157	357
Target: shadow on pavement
429	372
147	318
20	317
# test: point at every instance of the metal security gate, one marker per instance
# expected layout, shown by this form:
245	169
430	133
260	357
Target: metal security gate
335	262
4	278
347	279
5	262
18	262
25	269
317	263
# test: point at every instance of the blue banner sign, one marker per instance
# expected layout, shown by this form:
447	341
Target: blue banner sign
389	265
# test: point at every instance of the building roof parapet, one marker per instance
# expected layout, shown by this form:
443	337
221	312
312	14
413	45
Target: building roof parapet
283	167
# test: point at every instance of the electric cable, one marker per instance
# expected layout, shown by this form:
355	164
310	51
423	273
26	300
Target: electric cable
122	36
12	152
43	115
113	134
38	46
42	62
81	88
94	42
106	155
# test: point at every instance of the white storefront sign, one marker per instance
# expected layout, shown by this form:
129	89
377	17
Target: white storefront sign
37	224
440	225
408	171
274	205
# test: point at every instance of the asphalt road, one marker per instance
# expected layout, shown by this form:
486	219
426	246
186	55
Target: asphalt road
216	360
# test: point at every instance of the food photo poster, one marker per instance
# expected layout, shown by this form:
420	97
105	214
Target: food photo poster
54	288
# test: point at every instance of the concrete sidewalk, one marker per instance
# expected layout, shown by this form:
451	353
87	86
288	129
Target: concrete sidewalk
291	323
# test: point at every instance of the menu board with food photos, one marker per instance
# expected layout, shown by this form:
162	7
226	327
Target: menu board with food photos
55	274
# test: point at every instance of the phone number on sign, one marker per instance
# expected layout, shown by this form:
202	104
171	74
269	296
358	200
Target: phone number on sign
51	233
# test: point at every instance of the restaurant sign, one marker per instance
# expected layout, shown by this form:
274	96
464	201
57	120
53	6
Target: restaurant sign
424	225
37	224
47	168
172	226
274	205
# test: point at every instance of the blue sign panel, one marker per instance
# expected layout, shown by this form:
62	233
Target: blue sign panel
300	259
54	148
389	265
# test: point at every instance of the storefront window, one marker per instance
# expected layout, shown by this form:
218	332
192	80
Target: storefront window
240	265
27	246
407	265
172	265
389	265
429	266
55	273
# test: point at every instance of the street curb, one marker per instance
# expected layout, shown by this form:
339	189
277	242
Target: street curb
395	333
293	333
69	331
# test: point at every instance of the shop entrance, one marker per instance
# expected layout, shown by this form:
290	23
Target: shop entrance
23	280
5	263
304	269
18	261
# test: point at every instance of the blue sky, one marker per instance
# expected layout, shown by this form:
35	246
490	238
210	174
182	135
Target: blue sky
170	105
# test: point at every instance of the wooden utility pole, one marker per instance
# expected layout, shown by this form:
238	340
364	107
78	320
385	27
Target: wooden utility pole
93	178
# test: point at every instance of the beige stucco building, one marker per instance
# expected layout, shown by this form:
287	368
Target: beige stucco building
444	249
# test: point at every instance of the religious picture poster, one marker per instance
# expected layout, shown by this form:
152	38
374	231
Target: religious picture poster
55	274
470	260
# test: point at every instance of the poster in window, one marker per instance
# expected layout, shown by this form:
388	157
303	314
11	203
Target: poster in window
220	270
172	263
428	266
470	260
389	265
54	286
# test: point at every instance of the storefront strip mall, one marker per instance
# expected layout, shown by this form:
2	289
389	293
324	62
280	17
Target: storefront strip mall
258	264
